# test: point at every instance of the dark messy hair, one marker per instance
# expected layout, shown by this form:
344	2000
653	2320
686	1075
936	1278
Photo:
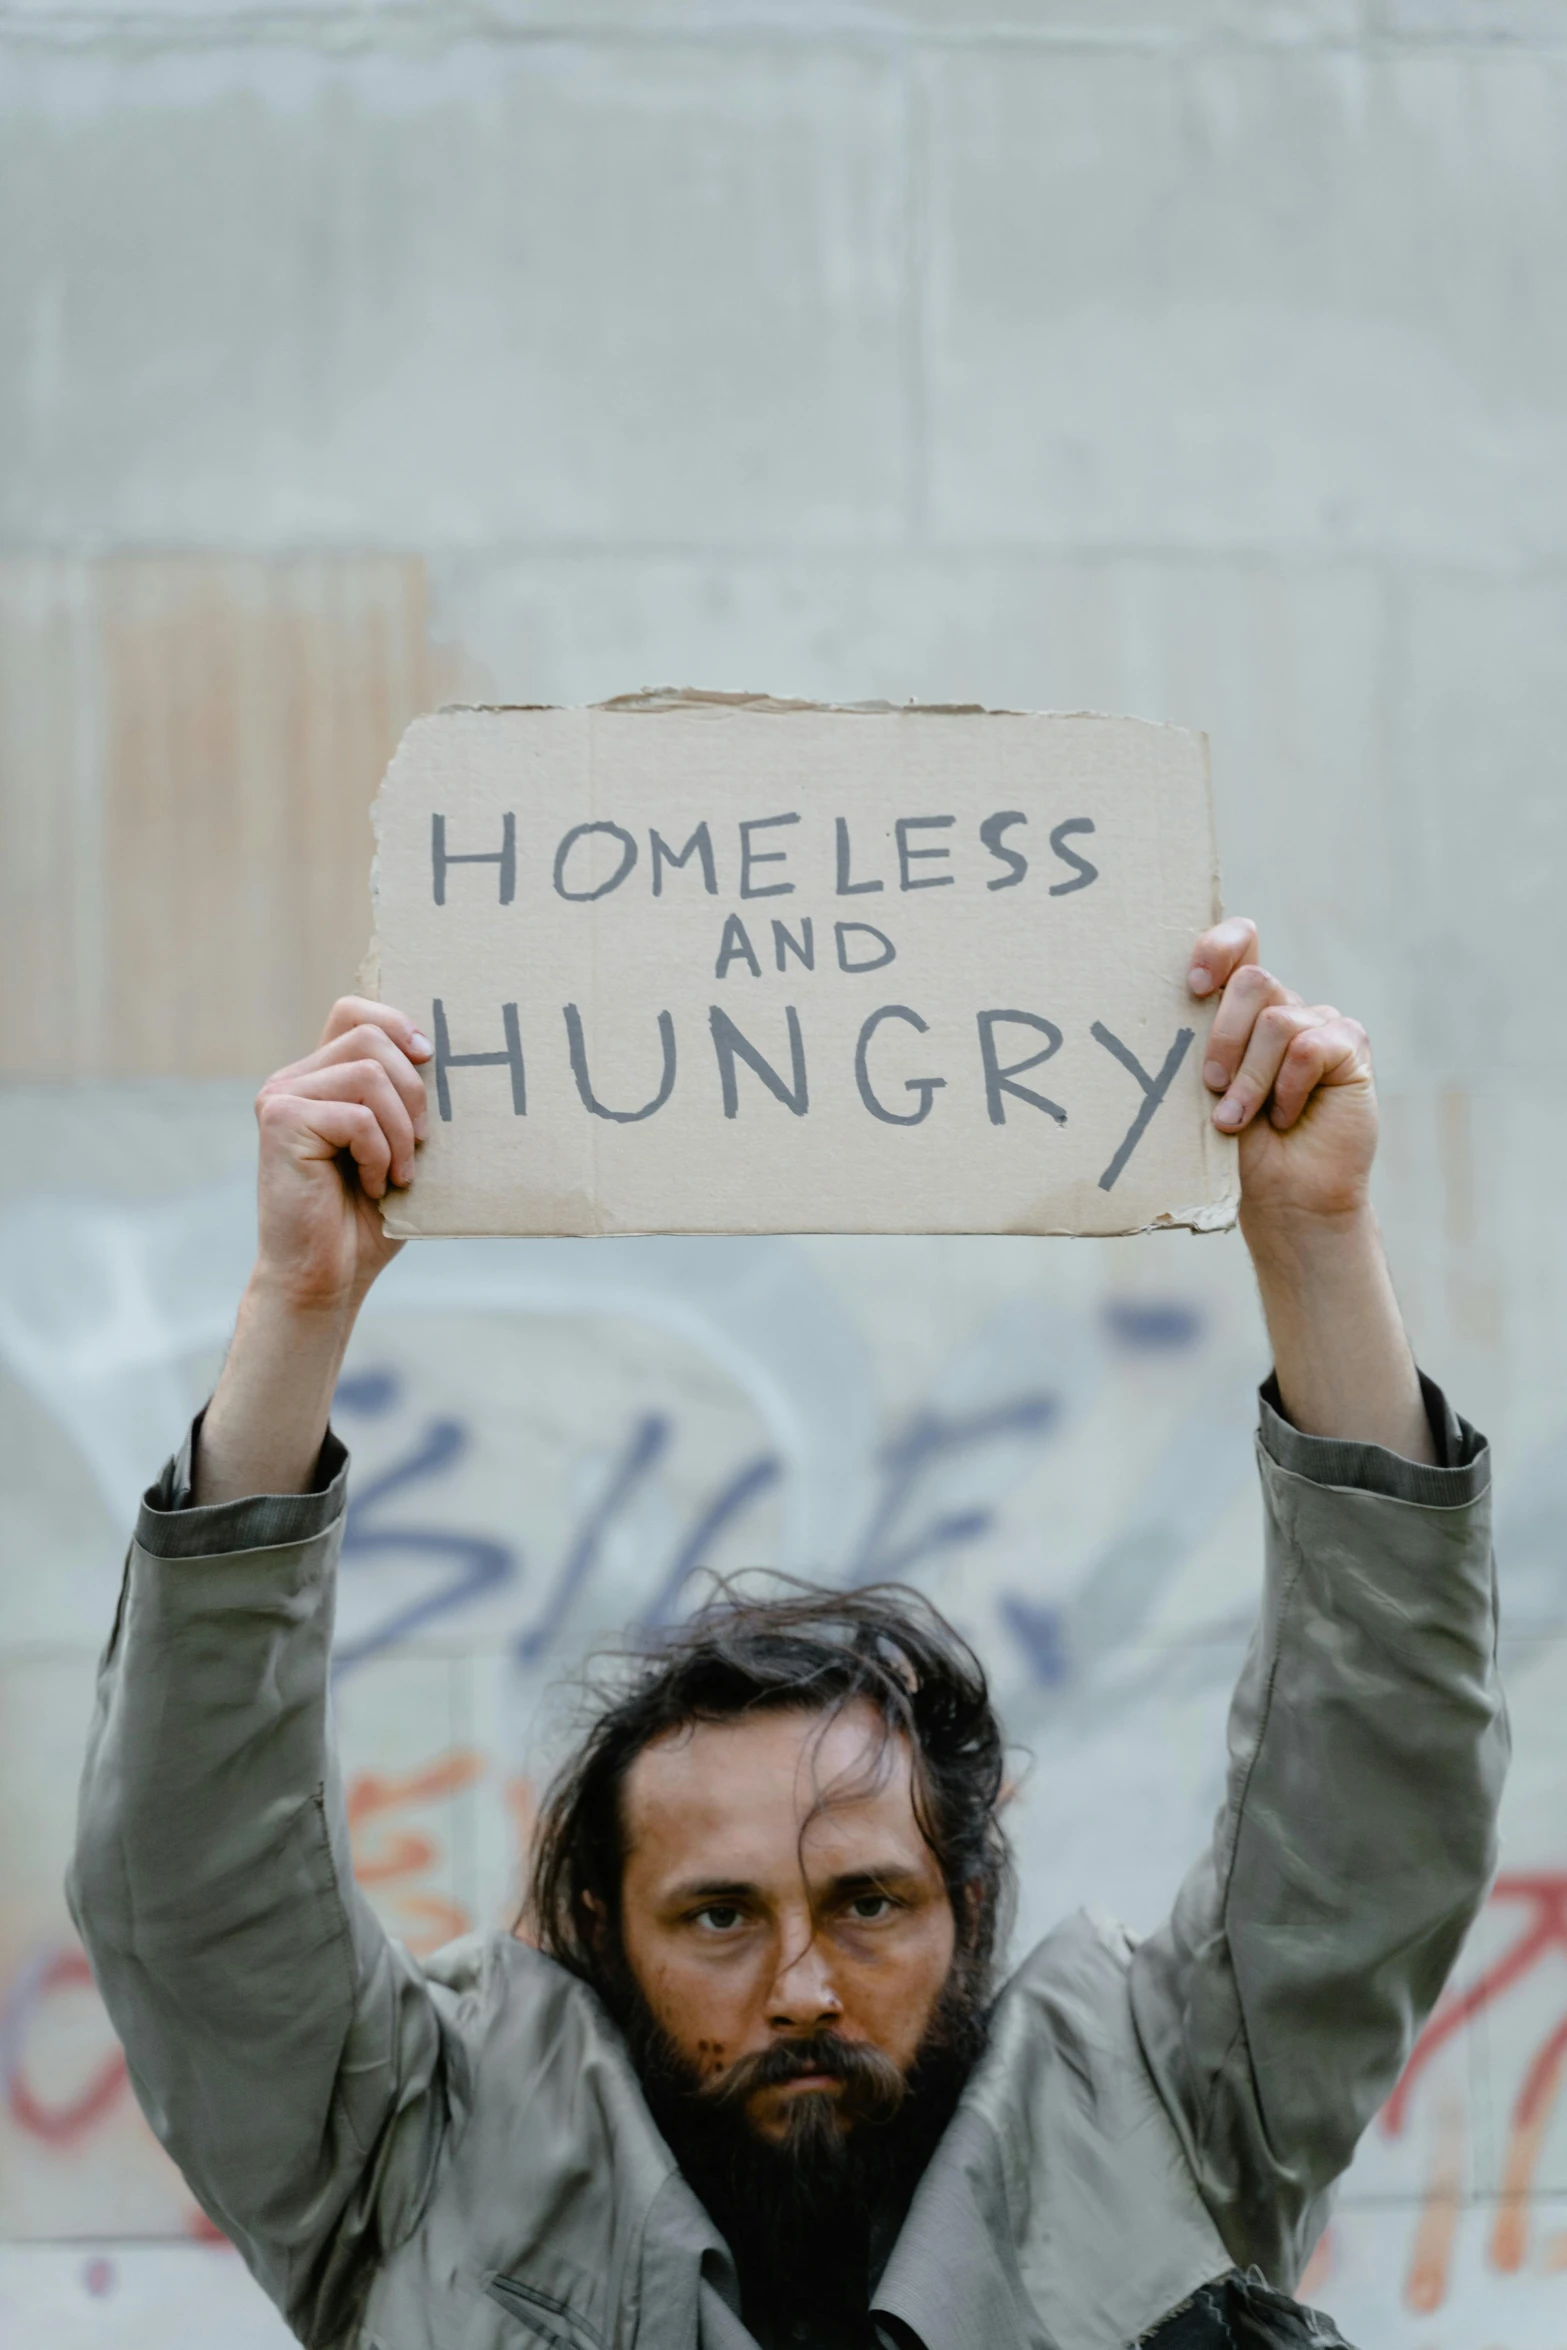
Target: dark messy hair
807	1649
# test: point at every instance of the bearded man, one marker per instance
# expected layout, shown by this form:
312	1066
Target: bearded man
747	2080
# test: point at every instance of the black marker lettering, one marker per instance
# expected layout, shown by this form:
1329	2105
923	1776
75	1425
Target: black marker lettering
577	1046
662	854
628	857
1154	1091
999	1082
750	857
505	856
1084	873
990	833
925	1087
846	887
511	1057
785	943
735	945
728	1043
907	856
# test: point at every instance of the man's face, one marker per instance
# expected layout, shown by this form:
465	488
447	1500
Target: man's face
777	1886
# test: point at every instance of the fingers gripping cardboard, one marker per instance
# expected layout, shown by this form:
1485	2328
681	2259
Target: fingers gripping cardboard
706	963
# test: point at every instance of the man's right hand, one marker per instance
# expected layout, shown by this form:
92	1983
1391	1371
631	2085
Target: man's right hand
338	1130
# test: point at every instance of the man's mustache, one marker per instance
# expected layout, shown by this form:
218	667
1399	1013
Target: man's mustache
872	2088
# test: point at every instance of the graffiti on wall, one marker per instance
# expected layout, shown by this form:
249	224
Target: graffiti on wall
558	1444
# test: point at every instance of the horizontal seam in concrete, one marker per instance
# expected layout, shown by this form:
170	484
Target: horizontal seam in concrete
928	552
347	32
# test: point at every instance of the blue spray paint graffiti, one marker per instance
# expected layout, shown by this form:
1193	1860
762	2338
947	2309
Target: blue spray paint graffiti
646	1446
478	1564
730	1502
894	1543
931	1438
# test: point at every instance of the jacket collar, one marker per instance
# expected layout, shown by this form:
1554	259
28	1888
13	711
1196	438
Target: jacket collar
952	2278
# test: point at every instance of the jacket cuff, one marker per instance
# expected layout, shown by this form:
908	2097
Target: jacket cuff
1463	1458
171	1526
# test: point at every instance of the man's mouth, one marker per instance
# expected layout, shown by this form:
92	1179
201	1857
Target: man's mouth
859	2082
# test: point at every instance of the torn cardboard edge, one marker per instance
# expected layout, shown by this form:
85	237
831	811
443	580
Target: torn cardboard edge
685	697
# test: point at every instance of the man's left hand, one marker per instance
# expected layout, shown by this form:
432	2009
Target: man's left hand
1294	1081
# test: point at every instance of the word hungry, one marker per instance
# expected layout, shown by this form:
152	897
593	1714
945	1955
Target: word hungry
731	1048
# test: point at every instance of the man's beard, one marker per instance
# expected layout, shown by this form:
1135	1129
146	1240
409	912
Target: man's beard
810	2217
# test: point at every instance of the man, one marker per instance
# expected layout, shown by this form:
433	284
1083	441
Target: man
748	2082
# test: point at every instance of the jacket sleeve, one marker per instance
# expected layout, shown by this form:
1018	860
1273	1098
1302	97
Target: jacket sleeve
1367	1746
296	2063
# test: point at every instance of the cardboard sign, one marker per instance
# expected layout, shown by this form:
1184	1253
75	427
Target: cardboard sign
708	963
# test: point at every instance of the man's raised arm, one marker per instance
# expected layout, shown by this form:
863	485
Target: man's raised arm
1368	1738
297	2065
338	1131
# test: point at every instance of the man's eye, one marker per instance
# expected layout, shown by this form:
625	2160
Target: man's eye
719	1917
869	1907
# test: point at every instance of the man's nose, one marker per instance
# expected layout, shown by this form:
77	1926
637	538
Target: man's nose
804	1996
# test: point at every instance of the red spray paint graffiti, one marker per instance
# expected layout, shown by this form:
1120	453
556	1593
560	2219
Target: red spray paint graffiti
1544	1930
53	1970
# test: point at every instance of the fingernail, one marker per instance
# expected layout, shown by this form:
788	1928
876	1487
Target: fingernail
1229	1112
420	1045
1215	1074
1199	981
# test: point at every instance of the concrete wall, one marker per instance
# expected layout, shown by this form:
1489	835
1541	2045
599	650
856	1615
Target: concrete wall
1199	358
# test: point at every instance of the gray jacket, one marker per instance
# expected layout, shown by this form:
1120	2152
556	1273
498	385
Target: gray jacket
457	2155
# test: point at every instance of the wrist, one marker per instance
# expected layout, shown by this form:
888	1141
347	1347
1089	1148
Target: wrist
264	1427
1286	1238
276	1297
288	1349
